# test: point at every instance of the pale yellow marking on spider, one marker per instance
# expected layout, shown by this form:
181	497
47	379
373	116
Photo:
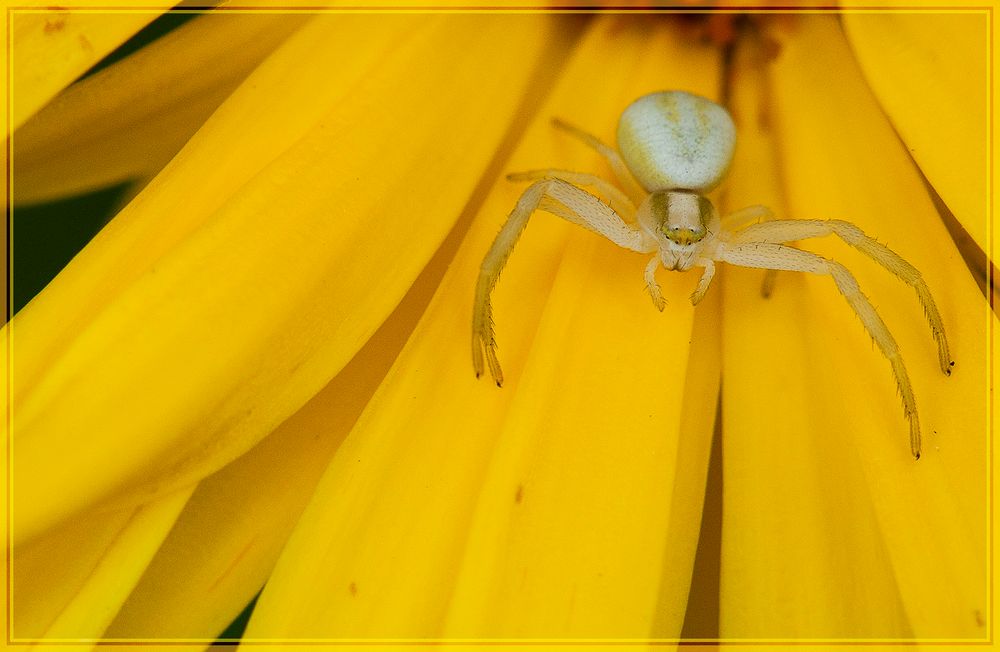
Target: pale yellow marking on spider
673	147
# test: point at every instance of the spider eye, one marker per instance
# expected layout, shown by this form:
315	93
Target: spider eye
683	235
682	215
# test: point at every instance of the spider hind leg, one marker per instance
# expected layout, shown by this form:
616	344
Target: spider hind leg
766	255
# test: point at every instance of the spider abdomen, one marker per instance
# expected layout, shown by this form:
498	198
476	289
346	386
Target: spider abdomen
675	140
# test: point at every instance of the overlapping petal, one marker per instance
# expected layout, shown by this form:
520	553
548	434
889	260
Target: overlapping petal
542	509
874	545
126	121
69	584
207	312
51	47
930	73
228	538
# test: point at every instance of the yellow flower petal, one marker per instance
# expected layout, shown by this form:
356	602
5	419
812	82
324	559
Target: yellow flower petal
782	569
588	520
69	584
51	48
207	314
831	529
281	102
129	119
228	538
929	72
567	475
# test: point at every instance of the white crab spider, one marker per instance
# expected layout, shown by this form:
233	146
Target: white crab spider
675	147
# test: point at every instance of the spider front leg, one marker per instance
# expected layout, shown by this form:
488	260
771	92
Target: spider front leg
765	255
563	200
741	218
619	201
779	231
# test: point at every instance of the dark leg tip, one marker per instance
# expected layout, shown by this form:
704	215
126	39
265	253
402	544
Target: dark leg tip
916	457
499	383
